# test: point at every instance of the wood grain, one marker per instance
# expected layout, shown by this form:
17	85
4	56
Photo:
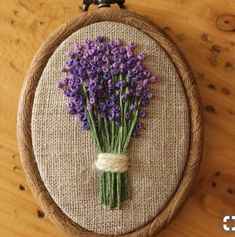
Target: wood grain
25	25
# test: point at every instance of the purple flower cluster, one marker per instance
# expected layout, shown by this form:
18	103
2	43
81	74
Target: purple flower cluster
105	81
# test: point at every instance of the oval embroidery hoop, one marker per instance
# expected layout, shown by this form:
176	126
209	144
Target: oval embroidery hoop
25	114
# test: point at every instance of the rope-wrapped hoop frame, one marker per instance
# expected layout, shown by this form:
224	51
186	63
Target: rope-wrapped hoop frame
25	112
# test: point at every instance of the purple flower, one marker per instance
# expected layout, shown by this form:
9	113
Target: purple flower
118	58
123	67
147	73
92	85
115	65
116	108
139	68
145	102
114	51
85	125
91	52
78	102
110	103
99	75
127	115
105	69
105	59
85	55
111	116
99	39
71	54
83	62
92	100
145	82
122	50
120	84
89	107
138	94
101	47
139	125
99	88
79	108
123	83
117	42
67	92
110	84
139	88
129	54
131	45
142	114
150	95
106	76
124	97
114	71
71	111
86	41
101	107
141	57
95	59
60	84
133	107
81	116
154	79
66	81
78	47
130	73
111	45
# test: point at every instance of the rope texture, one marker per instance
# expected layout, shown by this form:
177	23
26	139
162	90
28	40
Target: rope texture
110	162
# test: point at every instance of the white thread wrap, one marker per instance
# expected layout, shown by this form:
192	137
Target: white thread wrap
110	162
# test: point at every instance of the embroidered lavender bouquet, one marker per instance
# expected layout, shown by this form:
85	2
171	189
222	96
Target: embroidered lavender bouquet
108	88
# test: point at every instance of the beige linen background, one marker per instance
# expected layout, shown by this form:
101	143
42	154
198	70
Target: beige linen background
65	155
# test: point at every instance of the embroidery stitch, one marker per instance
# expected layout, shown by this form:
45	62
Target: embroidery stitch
108	87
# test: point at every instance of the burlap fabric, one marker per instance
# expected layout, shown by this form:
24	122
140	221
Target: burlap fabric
65	155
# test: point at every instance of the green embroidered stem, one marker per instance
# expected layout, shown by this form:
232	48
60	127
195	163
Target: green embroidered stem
115	187
119	190
92	122
112	134
131	129
107	135
122	114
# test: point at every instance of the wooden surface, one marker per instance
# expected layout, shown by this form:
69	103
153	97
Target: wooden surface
209	50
